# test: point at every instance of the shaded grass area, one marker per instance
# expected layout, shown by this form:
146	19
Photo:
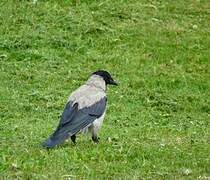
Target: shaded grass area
158	119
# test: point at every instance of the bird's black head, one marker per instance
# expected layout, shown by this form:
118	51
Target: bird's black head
106	76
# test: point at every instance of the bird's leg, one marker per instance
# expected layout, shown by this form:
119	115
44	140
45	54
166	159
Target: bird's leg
94	131
73	138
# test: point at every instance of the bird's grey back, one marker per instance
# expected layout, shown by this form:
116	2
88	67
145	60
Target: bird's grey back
90	93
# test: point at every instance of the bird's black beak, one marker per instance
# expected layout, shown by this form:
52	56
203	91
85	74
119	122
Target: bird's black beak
113	82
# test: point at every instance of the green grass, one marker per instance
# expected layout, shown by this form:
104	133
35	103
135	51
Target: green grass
158	120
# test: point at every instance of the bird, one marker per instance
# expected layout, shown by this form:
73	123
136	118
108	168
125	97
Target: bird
84	111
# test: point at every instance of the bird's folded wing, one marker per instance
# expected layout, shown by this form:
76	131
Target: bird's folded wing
74	119
69	112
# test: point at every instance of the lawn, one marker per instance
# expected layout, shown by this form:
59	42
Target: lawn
158	119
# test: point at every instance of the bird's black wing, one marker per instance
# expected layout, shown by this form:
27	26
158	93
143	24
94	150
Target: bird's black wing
68	113
73	120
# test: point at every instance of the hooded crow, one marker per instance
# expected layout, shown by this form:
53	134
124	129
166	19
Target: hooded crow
84	111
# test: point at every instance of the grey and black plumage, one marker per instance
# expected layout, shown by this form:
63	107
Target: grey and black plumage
84	111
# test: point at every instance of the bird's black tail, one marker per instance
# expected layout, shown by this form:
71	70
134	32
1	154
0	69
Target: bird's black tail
63	129
55	139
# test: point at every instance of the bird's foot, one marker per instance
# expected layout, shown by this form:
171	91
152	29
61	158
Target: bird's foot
73	138
95	139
